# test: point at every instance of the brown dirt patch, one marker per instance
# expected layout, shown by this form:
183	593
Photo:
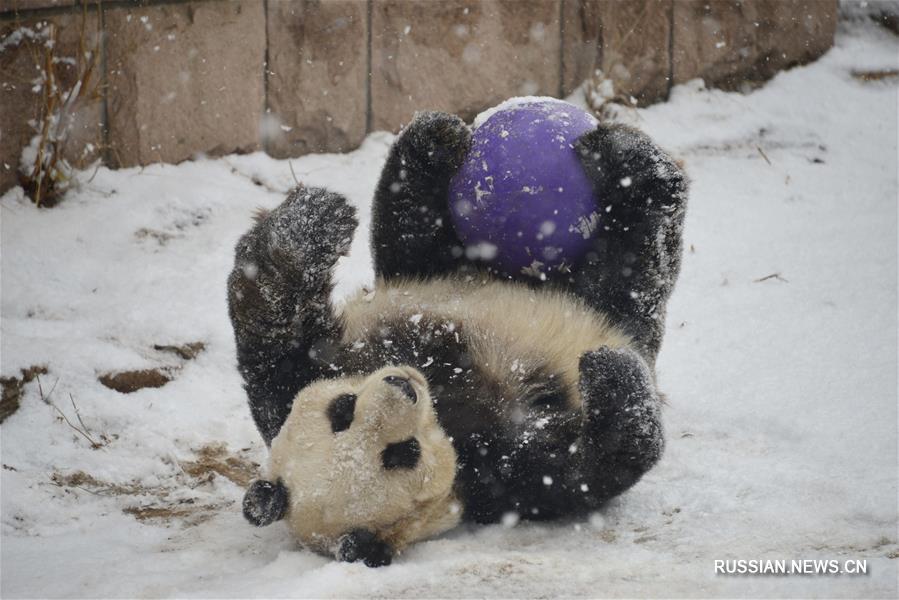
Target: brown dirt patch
88	483
166	503
127	382
188	511
214	459
13	388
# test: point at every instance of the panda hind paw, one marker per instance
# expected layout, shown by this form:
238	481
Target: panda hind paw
437	139
613	373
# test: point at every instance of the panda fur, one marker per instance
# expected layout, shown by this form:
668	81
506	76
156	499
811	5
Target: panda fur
446	392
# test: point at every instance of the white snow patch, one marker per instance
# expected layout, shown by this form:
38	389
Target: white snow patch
782	410
482	117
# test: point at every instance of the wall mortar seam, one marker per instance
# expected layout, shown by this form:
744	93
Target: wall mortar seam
266	68
670	49
105	152
369	39
561	90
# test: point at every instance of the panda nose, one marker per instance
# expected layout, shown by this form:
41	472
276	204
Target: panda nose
403	384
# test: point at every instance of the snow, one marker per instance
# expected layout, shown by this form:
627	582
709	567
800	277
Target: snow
483	116
782	391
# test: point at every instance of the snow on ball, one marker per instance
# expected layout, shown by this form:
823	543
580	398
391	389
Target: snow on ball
521	200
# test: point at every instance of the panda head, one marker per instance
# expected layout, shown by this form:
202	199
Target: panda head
360	468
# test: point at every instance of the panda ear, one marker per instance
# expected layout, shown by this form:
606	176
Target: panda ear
265	502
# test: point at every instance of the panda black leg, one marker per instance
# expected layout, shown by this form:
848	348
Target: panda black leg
621	436
279	299
412	234
632	268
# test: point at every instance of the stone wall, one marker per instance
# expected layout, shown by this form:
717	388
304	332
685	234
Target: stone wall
179	79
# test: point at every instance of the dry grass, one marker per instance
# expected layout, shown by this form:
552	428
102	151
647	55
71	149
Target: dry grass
166	503
66	86
186	511
90	484
213	459
96	442
881	75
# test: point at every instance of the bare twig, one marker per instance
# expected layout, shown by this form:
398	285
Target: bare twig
294	175
776	276
96	170
765	156
77	412
80	430
40	389
256	180
93	444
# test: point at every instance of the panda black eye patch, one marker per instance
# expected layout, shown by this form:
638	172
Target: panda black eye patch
340	412
402	455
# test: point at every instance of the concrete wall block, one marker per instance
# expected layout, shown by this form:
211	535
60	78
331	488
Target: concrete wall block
19	5
460	56
730	43
580	42
635	47
318	65
22	62
189	77
627	39
184	78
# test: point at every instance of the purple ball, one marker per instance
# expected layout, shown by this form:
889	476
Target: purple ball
521	200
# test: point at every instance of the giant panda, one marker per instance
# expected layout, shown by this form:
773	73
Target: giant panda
447	391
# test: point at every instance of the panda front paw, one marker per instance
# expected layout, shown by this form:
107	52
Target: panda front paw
635	176
361	544
309	230
265	502
436	140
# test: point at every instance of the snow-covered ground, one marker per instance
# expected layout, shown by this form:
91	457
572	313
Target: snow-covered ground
782	416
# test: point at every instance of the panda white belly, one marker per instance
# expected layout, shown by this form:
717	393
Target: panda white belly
509	328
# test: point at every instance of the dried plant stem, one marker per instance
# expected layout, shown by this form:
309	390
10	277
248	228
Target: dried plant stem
83	430
46	173
776	276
